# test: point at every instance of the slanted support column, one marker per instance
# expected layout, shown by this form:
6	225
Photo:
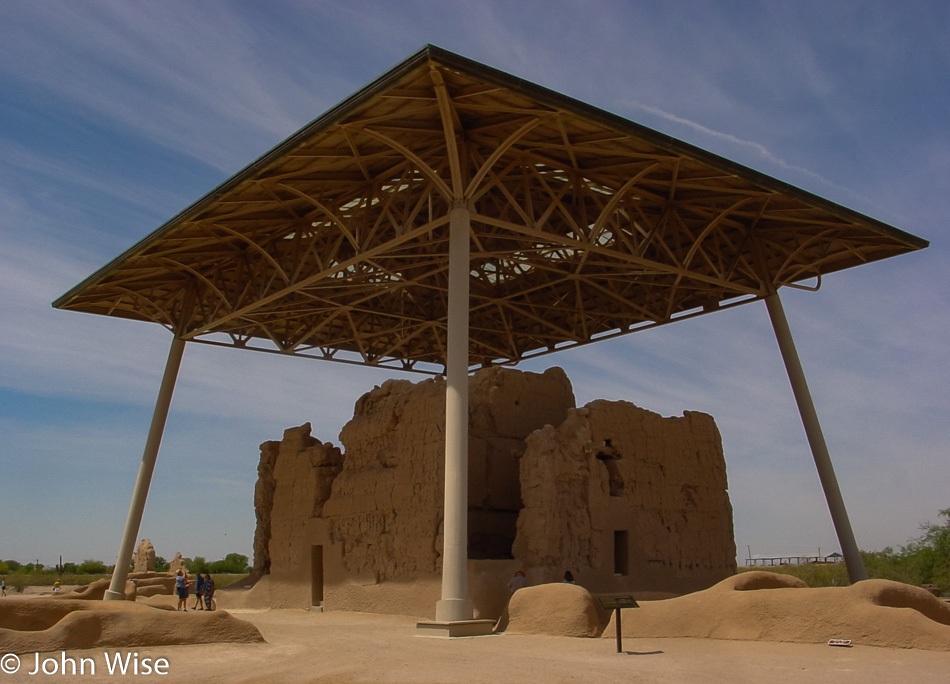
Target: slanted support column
116	590
455	604
819	450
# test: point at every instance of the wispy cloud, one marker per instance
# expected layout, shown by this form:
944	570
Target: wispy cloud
756	149
152	69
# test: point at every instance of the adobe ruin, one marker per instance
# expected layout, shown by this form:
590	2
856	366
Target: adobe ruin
624	498
144	559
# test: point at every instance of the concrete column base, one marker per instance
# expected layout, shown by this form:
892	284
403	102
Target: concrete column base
453	610
456	628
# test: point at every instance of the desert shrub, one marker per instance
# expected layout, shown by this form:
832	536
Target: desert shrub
928	557
889	564
813	574
226	579
92	567
925	560
16	583
82	580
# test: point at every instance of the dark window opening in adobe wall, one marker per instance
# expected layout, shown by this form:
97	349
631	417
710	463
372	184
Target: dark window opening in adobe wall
608	455
621	552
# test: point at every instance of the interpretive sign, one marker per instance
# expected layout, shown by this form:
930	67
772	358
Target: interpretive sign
616	602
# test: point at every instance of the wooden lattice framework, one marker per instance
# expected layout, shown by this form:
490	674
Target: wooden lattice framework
583	226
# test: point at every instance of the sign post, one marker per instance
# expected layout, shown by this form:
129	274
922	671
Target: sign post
616	602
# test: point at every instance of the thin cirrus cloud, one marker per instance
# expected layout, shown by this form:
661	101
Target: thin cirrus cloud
757	150
152	73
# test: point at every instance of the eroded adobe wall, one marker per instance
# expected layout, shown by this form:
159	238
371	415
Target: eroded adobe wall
627	500
538	496
505	406
263	504
377	512
295	475
385	509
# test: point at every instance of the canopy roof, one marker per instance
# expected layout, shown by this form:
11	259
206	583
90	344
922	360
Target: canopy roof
584	225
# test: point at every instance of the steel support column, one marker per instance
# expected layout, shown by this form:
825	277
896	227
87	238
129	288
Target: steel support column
455	604
116	590
819	450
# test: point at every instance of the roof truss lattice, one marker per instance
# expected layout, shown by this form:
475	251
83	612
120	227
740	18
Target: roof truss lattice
583	226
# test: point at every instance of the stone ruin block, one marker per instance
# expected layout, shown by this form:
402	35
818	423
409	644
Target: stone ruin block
624	498
627	498
144	559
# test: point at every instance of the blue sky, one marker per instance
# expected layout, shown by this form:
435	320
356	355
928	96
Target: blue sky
114	116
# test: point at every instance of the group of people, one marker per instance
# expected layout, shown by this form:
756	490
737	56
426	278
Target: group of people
204	590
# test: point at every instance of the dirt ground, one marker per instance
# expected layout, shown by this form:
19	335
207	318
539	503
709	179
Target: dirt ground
358	647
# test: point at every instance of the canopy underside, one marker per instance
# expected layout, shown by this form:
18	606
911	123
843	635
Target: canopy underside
583	226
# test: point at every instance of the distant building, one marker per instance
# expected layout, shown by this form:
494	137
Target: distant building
792	560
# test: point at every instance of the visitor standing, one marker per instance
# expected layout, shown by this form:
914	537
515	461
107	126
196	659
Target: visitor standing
181	587
517	582
208	588
199	582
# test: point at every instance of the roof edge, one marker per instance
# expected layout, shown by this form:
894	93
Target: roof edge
555	100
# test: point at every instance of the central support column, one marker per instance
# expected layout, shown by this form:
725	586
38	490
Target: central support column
455	604
816	439
116	590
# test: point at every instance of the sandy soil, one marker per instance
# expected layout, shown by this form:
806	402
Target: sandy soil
359	647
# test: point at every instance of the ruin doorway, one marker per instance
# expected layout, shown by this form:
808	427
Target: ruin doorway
494	492
491	533
316	575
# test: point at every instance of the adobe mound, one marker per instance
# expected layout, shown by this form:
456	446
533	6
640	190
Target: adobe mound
139	584
95	591
555	609
750	581
59	624
763	608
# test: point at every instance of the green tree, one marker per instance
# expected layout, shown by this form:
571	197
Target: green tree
198	564
236	563
161	565
928	556
92	567
233	563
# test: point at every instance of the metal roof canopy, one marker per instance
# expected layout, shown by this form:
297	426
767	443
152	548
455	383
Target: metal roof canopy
559	224
583	226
